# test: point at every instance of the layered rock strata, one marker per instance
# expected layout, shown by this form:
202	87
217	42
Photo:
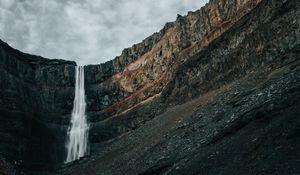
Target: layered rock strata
152	87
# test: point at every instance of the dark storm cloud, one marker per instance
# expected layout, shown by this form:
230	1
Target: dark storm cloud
87	31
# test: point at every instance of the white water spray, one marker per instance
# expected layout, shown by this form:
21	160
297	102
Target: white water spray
77	145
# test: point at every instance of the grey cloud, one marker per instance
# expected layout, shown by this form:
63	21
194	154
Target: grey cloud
87	31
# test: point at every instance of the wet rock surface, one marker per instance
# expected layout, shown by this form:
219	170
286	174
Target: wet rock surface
215	92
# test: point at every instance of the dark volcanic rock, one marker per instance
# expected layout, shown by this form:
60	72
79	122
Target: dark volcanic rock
35	95
215	92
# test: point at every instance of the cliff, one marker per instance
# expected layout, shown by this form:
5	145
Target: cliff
211	92
35	94
141	72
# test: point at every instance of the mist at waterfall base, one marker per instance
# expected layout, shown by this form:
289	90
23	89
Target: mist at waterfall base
77	136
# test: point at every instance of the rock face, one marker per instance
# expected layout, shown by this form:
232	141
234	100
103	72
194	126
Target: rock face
36	94
216	91
142	72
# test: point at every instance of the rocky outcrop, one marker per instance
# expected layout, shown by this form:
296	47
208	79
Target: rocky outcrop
205	84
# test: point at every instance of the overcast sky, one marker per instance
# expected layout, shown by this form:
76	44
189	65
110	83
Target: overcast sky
87	31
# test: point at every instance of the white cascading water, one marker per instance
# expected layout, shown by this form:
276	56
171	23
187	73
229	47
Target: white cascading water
77	143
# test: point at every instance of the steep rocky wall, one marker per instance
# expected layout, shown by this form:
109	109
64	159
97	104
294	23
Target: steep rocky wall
245	47
111	95
40	76
113	89
240	50
35	94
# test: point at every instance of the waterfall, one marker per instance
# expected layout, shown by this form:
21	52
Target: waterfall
78	130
